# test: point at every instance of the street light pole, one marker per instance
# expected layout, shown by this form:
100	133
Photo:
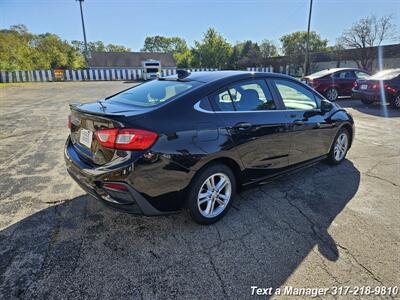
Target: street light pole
84	33
307	58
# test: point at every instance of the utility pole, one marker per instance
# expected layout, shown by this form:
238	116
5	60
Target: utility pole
307	58
84	34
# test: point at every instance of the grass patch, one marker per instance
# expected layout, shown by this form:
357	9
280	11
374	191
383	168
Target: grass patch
11	84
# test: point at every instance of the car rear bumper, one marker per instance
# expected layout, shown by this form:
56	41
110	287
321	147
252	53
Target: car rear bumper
91	180
369	95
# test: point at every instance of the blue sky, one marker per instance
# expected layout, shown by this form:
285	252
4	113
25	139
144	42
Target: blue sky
129	22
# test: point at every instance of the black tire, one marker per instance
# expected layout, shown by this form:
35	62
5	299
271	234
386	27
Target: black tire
197	184
332	157
367	101
332	94
395	102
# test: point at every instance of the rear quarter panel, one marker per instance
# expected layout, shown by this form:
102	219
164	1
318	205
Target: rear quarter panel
188	139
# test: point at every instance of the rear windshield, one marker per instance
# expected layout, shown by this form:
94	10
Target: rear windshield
321	73
386	75
153	93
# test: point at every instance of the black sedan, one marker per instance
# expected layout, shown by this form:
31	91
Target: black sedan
383	87
190	140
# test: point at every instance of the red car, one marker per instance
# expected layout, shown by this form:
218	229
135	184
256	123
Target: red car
334	83
383	86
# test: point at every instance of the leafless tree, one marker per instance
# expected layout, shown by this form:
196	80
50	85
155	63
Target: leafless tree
366	34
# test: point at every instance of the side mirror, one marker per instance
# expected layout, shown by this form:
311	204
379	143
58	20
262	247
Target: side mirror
326	106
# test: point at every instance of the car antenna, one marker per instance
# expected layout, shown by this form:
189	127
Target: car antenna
182	74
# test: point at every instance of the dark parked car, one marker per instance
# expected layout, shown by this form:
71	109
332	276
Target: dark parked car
191	140
334	83
382	86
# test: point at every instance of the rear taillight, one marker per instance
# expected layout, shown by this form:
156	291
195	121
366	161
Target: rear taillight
377	86
107	137
115	186
126	138
390	89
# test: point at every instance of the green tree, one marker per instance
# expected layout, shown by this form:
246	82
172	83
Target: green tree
21	50
15	50
117	48
213	51
246	54
50	51
98	46
267	50
164	44
235	56
250	55
183	59
294	46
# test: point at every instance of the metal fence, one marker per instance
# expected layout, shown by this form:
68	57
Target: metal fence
94	74
84	74
263	69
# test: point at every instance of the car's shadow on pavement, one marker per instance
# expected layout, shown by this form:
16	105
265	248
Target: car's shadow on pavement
82	249
374	109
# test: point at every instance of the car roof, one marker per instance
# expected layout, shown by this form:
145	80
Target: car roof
334	70
210	76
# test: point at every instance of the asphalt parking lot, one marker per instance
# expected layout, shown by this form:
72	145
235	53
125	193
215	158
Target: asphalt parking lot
322	227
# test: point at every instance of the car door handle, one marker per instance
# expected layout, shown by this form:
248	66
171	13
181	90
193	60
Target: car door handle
243	126
298	123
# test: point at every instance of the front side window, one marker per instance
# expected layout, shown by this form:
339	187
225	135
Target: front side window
252	95
295	96
153	93
349	75
344	75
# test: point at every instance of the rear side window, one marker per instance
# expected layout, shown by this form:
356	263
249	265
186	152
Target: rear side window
205	104
223	101
153	93
295	96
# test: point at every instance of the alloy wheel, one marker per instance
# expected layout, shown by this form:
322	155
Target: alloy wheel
214	195
332	94
397	101
341	145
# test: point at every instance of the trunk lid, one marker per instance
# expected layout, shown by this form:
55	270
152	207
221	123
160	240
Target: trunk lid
86	119
365	84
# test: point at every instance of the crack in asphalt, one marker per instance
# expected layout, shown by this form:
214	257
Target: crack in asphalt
222	283
313	226
383	179
325	267
359	263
